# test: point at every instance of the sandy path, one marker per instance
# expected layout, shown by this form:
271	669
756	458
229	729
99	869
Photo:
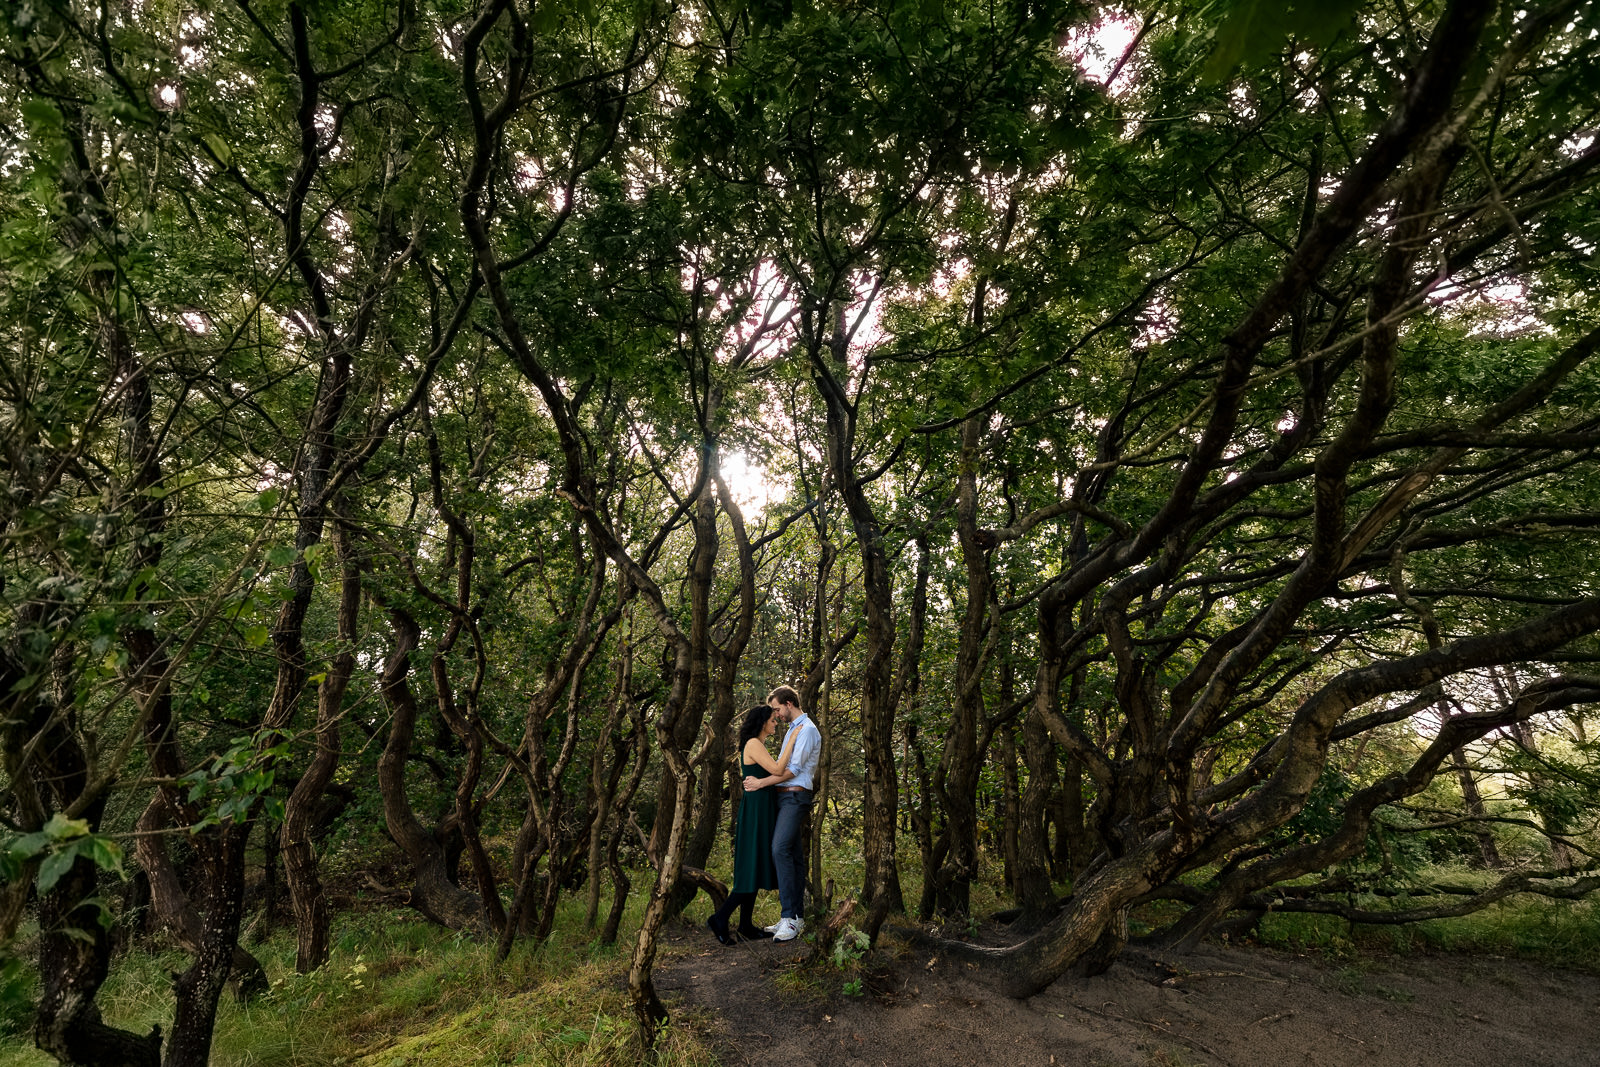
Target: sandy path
1241	1007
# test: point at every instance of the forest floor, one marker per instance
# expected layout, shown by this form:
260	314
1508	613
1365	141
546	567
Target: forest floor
1242	1006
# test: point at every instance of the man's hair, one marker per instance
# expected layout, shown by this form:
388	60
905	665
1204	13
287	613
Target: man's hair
784	694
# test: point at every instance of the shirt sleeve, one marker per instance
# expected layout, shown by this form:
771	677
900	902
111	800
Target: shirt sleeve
807	749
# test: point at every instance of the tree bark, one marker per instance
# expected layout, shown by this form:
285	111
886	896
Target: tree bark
604	776
1473	800
956	780
171	904
74	949
702	570
198	988
881	892
620	883
721	775
306	894
72	968
1031	884
433	892
647	1006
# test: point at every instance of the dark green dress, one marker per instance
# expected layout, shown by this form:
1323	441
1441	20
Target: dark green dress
752	848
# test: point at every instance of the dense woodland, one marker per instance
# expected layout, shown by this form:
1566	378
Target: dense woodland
1158	441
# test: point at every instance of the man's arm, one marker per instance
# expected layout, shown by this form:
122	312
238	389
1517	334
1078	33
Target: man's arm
752	783
808	750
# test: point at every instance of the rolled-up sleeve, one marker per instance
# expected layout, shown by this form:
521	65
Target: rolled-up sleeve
805	755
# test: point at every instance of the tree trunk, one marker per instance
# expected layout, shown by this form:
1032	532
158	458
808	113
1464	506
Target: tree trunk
299	813
816	815
1032	884
816	687
702	570
1077	843
433	892
197	989
956	780
1037	863
74	949
620	883
721	775
881	891
74	958
647	1006
1474	804
922	811
271	880
1010	805
171	904
603	779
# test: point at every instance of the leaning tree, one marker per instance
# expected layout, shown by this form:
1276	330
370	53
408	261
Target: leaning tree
1314	470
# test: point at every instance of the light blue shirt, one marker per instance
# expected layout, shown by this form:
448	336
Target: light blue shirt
807	751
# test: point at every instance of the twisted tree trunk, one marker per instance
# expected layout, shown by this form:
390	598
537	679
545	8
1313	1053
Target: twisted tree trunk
433	891
306	894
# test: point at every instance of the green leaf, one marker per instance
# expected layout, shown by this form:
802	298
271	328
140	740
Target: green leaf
29	845
40	115
61	828
107	854
219	148
102	911
123	111
544	18
56	865
1254	29
256	636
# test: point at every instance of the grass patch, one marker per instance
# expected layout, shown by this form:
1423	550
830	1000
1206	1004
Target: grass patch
1558	933
398	991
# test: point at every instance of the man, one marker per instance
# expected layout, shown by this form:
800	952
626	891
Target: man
795	789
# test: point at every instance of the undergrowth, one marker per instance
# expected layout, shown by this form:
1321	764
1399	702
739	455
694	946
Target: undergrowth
400	991
1554	932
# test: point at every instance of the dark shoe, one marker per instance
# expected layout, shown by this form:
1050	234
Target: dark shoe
720	928
753	933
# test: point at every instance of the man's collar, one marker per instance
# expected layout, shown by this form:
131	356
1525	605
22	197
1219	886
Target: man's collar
803	718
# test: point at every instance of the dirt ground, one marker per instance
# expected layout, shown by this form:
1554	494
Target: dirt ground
1236	1006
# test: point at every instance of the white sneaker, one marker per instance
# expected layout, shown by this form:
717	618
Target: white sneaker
788	930
774	927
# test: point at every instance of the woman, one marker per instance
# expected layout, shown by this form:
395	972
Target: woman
752	848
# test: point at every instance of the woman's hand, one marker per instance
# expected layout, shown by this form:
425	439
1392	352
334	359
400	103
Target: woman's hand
781	764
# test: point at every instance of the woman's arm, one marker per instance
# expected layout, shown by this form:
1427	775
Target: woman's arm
782	762
755	752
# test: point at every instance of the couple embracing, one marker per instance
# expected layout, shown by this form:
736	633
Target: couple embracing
768	852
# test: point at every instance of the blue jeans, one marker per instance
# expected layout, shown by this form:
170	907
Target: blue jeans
789	852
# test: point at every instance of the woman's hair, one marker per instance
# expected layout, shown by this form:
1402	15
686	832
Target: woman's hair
754	720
